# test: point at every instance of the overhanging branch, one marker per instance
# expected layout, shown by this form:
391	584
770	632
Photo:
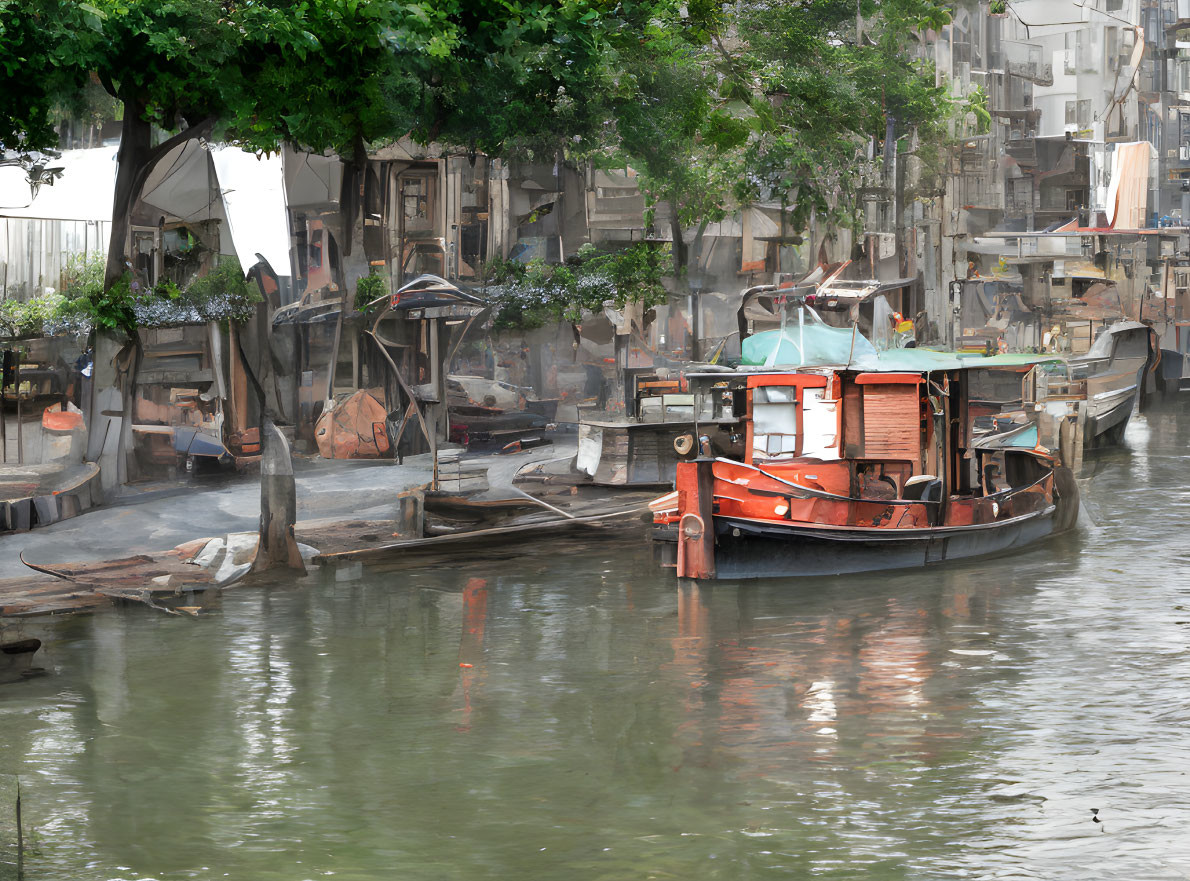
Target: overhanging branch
189	133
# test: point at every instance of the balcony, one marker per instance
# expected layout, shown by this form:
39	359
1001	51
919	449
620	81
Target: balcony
1027	116
1034	72
1022	150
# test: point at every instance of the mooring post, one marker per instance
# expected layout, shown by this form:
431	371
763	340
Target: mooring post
278	503
695	483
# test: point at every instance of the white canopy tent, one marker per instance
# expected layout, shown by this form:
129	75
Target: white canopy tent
194	181
83	192
182	185
38	234
253	191
197	181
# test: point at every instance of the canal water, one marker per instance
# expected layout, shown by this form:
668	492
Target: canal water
569	712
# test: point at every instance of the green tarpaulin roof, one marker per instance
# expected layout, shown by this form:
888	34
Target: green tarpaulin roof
819	345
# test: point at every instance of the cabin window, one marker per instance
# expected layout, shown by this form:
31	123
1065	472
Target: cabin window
774	422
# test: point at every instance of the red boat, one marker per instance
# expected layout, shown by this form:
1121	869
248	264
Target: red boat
825	471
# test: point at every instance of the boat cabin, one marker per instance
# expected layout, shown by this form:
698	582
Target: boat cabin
931	442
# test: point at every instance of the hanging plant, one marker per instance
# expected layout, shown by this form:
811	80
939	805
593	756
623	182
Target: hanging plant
527	296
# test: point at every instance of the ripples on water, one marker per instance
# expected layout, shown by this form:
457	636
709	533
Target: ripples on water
572	713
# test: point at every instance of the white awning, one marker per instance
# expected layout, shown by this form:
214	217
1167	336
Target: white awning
83	192
253	191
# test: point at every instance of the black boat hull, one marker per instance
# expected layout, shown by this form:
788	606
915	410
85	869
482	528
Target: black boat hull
749	549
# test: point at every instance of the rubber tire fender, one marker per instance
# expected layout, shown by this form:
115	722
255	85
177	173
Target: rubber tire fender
684	444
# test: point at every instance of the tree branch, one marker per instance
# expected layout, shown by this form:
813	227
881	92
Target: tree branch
189	133
105	80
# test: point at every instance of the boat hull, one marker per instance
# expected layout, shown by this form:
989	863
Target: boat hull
1106	427
750	549
767	553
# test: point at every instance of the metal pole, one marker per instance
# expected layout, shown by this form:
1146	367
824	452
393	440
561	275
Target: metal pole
801	336
7	257
17	386
435	486
3	418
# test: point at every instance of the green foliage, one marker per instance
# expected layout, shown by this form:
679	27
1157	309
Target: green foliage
759	101
529	295
713	104
498	77
81	305
110	309
977	102
36	68
520	78
31	317
670	123
369	288
83	275
221	295
822	98
320	74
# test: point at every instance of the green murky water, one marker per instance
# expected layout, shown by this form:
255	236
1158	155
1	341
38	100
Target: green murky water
571	713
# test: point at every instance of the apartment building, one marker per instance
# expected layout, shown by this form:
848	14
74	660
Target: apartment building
1070	209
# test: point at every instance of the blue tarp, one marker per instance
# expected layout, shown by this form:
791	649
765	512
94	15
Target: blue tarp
813	345
819	345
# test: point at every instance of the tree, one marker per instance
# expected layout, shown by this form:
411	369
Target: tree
321	74
34	72
255	73
673	126
757	101
826	82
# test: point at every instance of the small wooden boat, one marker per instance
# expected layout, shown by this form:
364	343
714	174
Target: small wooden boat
846	470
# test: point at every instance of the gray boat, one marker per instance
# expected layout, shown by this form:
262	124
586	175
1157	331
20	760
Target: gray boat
1102	387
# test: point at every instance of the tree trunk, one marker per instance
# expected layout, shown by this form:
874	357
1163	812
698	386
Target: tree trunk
135	159
351	193
679	245
136	148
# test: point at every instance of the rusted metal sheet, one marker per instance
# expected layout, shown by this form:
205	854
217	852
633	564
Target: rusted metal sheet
696	528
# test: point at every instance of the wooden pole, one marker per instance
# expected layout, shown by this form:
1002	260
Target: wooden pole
20	837
17	384
3	419
278	503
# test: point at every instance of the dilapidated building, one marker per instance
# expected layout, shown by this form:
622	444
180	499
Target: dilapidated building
1067	206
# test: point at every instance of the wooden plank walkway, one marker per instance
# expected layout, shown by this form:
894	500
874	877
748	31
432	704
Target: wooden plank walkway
165	581
169	582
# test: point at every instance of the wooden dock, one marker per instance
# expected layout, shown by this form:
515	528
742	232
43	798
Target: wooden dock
171	582
165	581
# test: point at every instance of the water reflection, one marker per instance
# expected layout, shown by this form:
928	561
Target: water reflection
572	712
